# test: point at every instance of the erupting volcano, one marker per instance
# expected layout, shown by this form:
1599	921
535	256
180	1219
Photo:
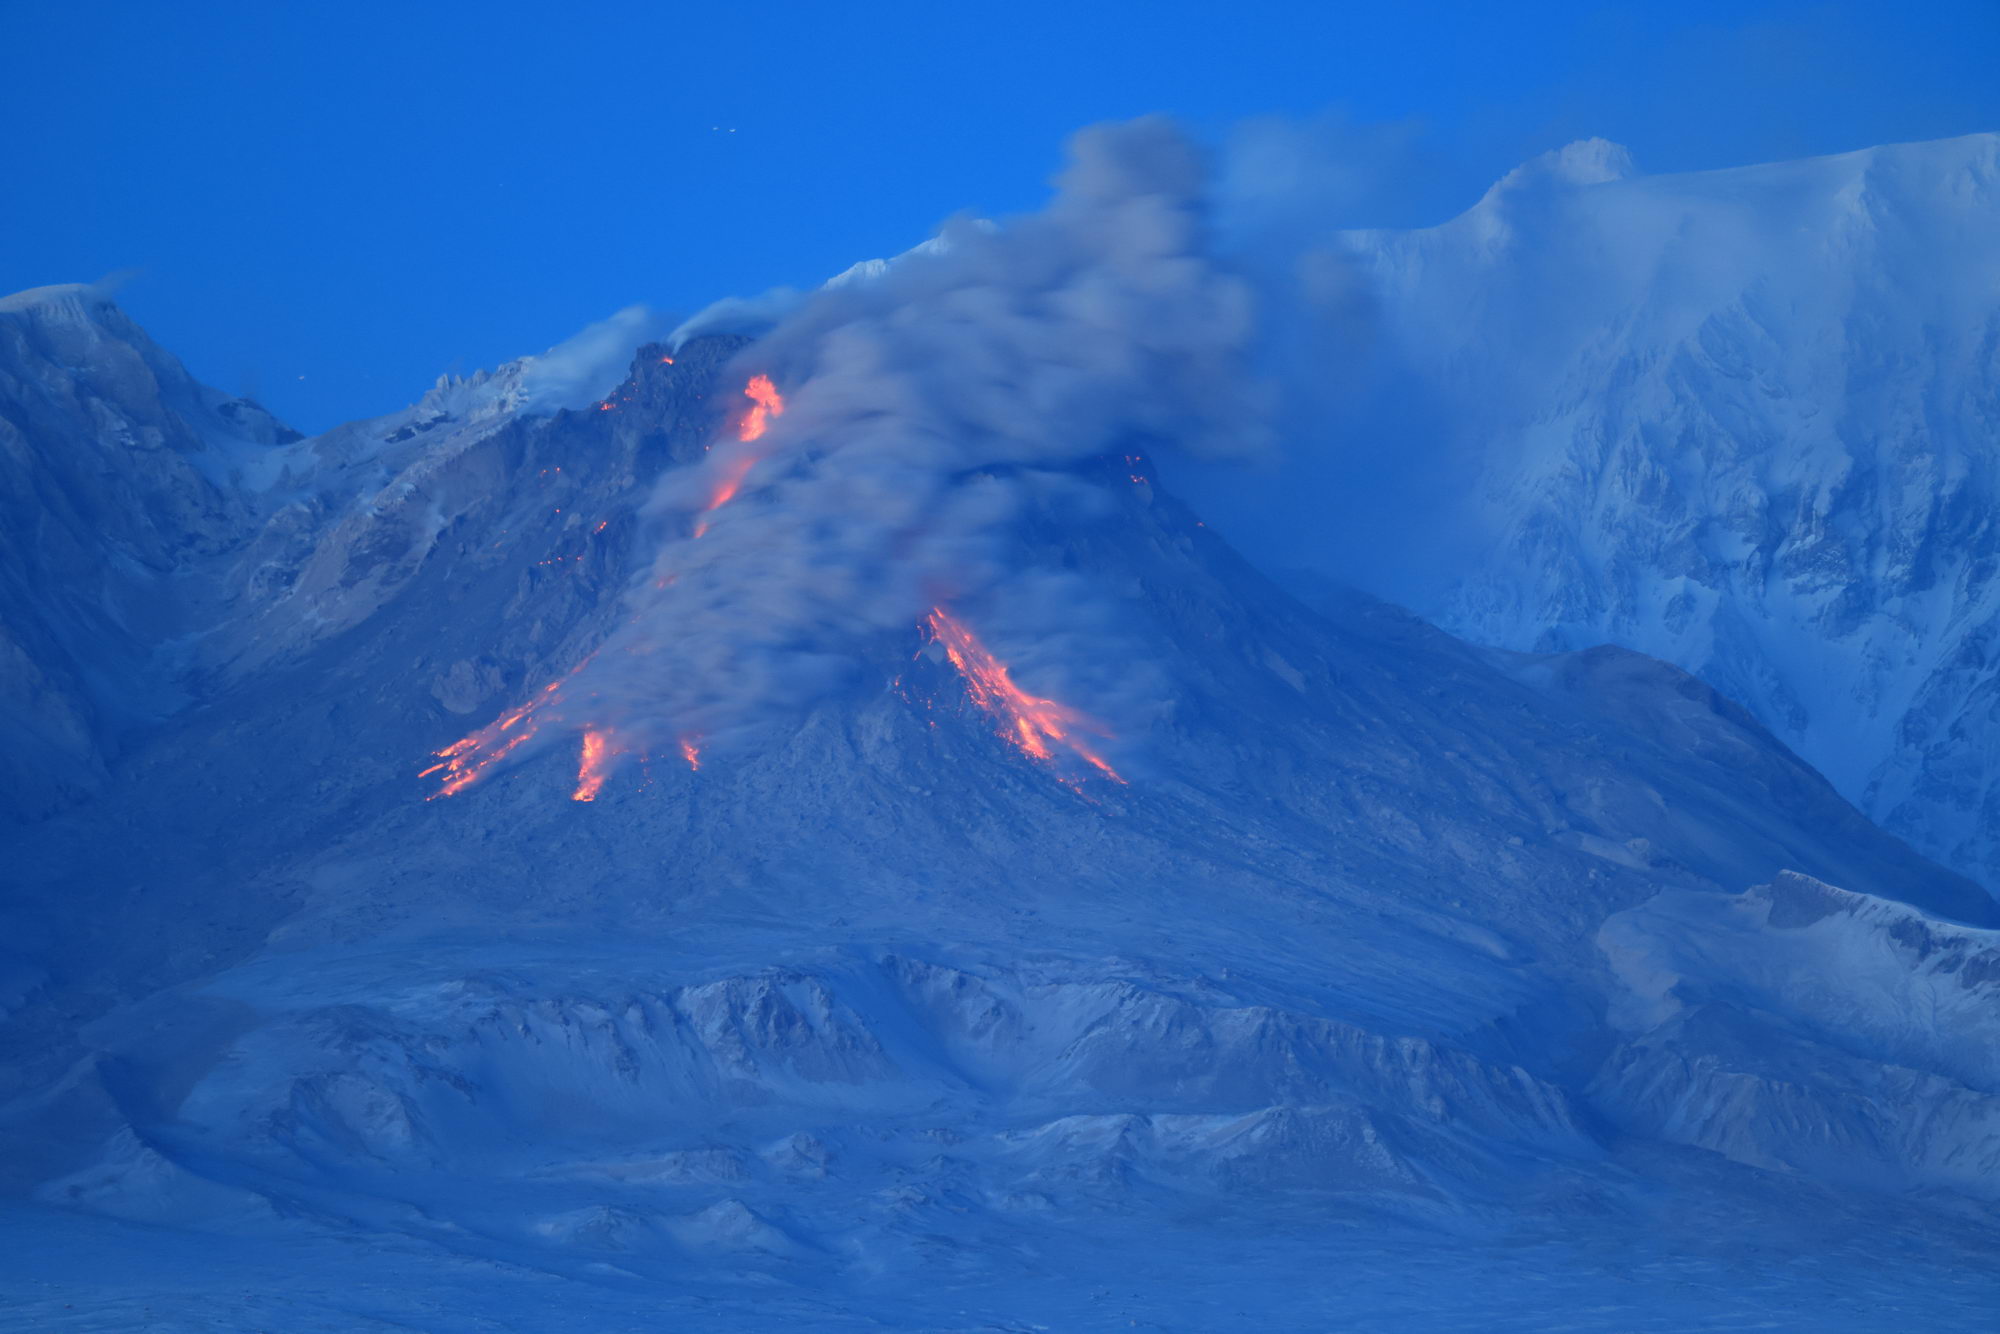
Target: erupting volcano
1027	722
1408	983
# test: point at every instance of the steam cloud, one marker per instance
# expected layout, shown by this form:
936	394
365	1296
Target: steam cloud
933	412
589	363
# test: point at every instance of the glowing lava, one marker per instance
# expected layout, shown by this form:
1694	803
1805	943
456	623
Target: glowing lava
1032	724
594	766
766	403
468	759
732	482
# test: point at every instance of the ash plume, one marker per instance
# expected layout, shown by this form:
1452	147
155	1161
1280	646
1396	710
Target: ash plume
934	417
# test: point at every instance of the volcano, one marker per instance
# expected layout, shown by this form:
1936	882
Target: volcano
1296	967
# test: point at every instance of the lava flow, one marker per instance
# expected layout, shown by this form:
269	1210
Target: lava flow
766	403
1027	722
594	766
468	759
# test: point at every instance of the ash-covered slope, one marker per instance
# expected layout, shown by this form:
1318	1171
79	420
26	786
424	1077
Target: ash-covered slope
1744	421
1383	943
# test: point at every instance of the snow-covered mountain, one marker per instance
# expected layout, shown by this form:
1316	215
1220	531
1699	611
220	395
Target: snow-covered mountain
1361	945
1746	421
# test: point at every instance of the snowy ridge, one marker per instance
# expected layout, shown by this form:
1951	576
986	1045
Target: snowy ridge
749	316
1880	1004
1745	421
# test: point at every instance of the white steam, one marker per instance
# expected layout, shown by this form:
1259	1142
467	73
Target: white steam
589	363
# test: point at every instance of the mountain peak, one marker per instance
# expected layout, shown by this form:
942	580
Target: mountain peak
76	301
67	310
1584	162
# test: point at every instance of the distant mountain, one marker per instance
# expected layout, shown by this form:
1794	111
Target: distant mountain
1746	421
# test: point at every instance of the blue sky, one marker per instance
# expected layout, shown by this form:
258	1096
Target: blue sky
328	204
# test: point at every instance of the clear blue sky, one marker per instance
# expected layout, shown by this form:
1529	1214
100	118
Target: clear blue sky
366	194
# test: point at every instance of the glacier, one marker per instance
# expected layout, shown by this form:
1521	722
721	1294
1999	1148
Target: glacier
1406	982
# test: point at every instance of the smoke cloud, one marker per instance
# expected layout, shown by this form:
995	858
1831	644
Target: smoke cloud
935	415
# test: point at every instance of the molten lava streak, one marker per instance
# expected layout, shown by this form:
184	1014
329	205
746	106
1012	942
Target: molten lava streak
1026	721
468	759
595	765
766	403
732	482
